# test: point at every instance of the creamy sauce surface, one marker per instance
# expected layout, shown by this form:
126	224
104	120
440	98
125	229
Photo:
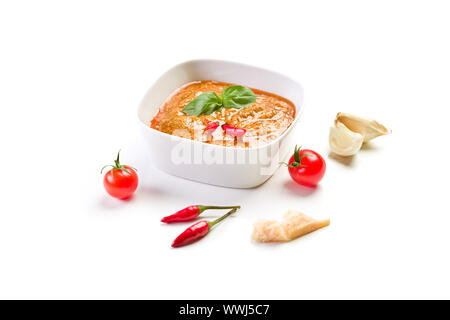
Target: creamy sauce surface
265	119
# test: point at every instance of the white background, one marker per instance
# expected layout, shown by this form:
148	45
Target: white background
72	74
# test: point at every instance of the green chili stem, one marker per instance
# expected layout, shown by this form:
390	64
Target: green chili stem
203	208
212	223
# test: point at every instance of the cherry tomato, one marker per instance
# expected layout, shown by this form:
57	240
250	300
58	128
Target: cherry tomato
211	127
121	181
233	131
306	167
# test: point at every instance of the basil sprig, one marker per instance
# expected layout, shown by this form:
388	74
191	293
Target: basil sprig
206	103
232	97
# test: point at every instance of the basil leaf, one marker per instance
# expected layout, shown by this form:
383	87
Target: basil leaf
206	103
237	97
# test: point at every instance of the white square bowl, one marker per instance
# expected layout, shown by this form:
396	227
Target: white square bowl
208	163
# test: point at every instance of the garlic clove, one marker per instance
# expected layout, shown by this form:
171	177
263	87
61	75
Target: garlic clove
343	141
368	128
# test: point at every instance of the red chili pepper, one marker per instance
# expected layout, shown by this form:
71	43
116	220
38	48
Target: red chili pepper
212	126
192	212
233	131
197	231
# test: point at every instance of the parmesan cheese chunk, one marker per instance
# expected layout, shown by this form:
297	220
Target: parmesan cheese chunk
295	225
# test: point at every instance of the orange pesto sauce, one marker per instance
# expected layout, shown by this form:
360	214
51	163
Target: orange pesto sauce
265	119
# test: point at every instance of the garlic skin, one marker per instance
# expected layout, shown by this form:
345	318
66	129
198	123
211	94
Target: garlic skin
368	128
343	141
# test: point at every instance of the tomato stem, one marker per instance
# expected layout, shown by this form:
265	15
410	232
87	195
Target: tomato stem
117	165
117	160
108	165
293	165
297	163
